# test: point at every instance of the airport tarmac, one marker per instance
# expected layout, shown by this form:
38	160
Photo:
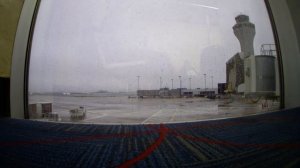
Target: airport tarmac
124	110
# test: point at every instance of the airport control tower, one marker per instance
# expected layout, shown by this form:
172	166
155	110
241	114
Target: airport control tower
245	32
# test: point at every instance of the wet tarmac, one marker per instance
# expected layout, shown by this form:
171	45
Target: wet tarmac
124	110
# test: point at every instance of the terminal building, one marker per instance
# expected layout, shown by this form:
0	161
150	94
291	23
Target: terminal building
176	93
161	93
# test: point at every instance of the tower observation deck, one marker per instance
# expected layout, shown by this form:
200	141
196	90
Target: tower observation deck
245	32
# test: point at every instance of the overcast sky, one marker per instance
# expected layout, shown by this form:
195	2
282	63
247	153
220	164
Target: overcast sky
96	45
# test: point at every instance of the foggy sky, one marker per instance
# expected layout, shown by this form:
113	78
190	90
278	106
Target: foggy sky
93	45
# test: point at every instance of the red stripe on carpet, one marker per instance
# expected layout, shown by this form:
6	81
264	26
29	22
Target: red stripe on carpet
162	134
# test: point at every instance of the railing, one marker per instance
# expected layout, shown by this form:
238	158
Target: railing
268	49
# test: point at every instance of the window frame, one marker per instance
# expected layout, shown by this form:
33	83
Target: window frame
22	50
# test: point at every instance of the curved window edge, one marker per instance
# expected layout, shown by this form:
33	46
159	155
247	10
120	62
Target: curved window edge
19	74
279	55
285	35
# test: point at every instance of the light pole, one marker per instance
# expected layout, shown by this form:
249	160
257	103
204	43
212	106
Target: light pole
179	85
190	83
160	82
138	80
204	82
212	82
172	83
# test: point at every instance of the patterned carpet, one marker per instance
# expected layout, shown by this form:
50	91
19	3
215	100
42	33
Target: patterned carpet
268	140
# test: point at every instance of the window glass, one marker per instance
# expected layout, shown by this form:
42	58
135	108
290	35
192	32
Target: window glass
152	61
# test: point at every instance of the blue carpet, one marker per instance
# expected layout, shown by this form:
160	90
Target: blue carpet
267	140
